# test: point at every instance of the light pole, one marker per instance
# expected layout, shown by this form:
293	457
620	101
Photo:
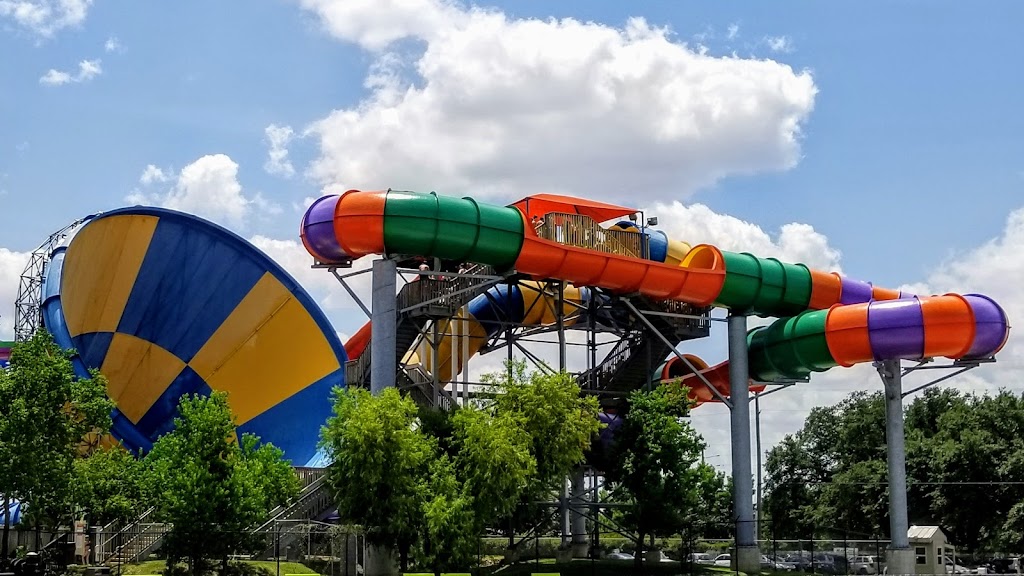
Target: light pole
757	442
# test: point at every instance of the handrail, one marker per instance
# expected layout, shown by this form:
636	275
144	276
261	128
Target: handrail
109	547
314	494
618	355
451	292
583	232
419	377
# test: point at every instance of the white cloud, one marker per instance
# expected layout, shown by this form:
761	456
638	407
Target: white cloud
278	138
45	17
496	105
733	31
697	224
55	78
112	45
12	264
208	187
996	270
782	44
153	174
87	70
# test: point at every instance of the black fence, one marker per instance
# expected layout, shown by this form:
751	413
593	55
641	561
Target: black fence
304	547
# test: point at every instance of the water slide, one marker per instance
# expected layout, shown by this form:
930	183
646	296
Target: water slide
826	320
166	304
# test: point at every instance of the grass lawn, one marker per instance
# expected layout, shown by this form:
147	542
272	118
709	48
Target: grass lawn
153	567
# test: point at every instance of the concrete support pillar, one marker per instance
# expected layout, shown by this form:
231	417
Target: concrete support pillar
380	561
576	518
900	557
748	555
384	326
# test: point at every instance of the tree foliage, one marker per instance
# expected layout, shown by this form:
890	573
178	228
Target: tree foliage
380	465
109	485
211	487
964	453
556	420
428	483
45	413
656	452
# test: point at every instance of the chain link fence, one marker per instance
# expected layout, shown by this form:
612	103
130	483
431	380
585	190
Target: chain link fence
295	547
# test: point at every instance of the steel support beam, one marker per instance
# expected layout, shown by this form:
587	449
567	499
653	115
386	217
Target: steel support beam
384	324
748	556
900	555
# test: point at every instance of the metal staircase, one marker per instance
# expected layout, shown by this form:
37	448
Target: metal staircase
136	541
312	503
420	385
131	544
628	365
419	303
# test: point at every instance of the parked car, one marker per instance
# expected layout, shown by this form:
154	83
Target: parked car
769	564
864	565
702	558
723	560
617	554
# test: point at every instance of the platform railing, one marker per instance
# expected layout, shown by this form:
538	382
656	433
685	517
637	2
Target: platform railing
619	353
583	232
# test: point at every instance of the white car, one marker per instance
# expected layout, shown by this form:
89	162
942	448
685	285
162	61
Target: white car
617	554
864	565
723	560
702	558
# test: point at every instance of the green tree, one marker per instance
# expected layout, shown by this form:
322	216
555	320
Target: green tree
45	413
791	489
379	467
831	473
964	453
548	408
209	486
109	485
494	462
558	423
712	517
451	525
657	452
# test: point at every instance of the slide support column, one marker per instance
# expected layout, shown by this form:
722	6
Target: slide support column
900	555
578	498
384	325
748	555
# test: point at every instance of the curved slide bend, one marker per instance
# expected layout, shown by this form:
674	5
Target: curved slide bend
836	321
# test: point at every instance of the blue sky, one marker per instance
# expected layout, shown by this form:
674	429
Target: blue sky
909	157
915	126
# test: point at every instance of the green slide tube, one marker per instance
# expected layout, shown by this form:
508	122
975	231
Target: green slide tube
454	228
790	348
764	286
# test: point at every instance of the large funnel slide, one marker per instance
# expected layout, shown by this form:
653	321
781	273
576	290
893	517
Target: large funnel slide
166	304
860	320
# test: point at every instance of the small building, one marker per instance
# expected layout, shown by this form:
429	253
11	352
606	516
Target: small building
932	550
